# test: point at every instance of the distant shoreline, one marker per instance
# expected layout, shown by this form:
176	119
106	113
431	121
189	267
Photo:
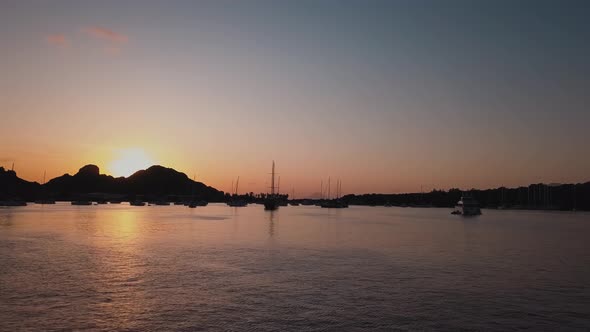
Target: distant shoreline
158	183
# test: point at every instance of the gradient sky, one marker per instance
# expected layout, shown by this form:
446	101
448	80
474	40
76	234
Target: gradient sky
389	96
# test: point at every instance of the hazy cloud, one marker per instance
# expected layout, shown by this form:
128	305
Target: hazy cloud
106	34
58	40
113	41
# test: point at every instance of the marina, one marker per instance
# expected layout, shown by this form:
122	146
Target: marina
448	138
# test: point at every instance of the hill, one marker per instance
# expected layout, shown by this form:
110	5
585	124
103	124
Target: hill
11	186
156	182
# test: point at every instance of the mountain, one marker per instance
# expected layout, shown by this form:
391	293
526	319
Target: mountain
11	186
87	180
153	183
160	180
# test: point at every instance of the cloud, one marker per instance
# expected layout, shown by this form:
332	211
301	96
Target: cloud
112	41
106	34
58	40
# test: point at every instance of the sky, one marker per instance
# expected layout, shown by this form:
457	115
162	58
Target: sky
388	96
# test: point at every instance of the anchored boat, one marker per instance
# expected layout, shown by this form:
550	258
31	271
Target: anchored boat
271	201
467	206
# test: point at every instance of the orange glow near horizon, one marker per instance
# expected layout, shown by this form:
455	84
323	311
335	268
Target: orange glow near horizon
129	161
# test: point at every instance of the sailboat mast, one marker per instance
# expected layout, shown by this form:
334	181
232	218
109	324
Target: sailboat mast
237	183
272	179
328	187
279	186
322	189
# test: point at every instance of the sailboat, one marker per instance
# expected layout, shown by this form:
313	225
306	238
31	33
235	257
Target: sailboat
282	202
319	201
44	200
336	203
271	202
237	202
293	202
193	204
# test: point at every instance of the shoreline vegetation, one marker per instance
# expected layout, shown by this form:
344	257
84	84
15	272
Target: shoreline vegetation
158	183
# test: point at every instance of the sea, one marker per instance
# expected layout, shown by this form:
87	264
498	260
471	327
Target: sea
300	268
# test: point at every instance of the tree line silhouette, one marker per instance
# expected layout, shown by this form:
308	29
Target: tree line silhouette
535	196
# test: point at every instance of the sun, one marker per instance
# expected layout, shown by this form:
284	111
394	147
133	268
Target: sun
129	161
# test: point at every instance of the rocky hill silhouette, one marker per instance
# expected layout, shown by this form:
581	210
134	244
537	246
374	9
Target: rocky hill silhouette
11	186
156	182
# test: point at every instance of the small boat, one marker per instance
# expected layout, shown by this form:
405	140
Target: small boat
237	203
334	204
81	202
137	203
115	202
195	203
44	201
467	206
161	203
271	204
13	203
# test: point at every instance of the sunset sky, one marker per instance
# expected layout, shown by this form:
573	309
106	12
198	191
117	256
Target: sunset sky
388	96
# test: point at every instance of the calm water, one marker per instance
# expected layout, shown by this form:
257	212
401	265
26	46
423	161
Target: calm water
300	268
